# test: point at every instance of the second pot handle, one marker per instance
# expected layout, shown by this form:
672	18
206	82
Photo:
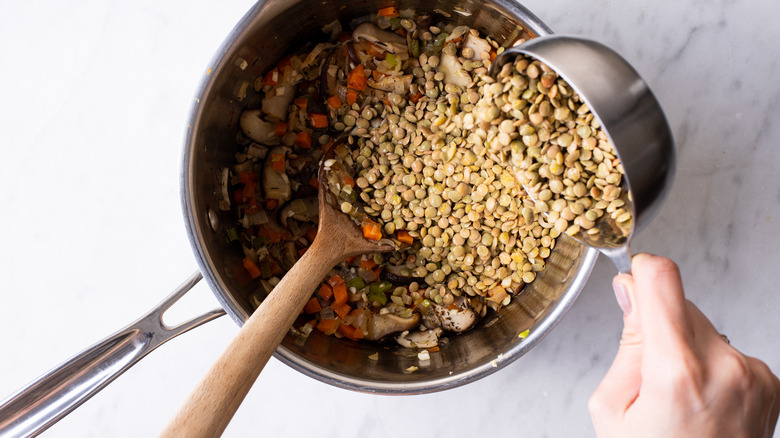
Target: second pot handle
42	403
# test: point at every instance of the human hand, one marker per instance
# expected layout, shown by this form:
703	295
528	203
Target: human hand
674	375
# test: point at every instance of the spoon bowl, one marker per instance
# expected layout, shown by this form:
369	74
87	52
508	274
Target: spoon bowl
632	119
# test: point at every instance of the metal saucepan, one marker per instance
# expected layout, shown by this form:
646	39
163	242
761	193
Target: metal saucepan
262	37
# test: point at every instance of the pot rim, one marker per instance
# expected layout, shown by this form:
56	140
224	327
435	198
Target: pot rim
287	356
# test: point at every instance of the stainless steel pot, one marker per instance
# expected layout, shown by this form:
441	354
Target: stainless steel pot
262	37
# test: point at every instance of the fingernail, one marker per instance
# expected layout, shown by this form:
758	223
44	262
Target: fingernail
621	294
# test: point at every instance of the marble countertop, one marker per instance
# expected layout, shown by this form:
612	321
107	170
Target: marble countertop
93	104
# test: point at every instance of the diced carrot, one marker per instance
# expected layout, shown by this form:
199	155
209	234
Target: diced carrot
493	55
240	274
339	289
238	196
302	103
247	177
272	235
348	180
371	230
285	62
350	260
249	189
351	96
334	101
356	79
342	310
346	330
377	75
340	295
278	162
272	77
401	31
312	323
280	129
251	267
326	292
318	120
271	203
335	280
303	139
415	97
404	237
311	234
434	349
358	334
368	263
386	101
390	11
350	332
312	306
328	326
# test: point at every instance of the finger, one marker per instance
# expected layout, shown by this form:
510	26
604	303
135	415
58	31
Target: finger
620	386
661	305
774	409
768	393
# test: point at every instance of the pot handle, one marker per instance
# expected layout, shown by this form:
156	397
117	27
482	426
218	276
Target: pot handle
36	407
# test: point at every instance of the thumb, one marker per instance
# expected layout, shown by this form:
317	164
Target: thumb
620	386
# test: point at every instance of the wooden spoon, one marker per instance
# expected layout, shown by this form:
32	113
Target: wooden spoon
213	402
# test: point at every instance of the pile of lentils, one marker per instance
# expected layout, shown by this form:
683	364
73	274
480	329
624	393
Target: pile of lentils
484	177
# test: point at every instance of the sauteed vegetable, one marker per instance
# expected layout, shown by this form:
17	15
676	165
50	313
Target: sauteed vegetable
432	154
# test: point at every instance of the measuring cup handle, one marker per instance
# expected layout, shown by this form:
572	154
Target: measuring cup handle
620	256
42	403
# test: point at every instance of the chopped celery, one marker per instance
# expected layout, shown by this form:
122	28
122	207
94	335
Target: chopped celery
392	60
381	287
357	283
375	296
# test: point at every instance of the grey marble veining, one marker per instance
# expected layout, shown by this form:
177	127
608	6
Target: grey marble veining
92	110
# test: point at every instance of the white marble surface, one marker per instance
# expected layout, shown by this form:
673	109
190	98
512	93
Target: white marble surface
93	102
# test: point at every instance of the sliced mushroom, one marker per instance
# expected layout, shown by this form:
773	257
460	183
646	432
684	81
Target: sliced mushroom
379	326
478	45
386	40
457	317
420	339
289	255
277	100
257	129
394	274
303	209
457	33
391	83
276	185
328	72
453	71
256	151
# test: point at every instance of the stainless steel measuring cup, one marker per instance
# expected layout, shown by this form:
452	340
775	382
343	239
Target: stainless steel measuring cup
632	119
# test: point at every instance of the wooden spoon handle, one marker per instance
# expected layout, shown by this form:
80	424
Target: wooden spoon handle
213	402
